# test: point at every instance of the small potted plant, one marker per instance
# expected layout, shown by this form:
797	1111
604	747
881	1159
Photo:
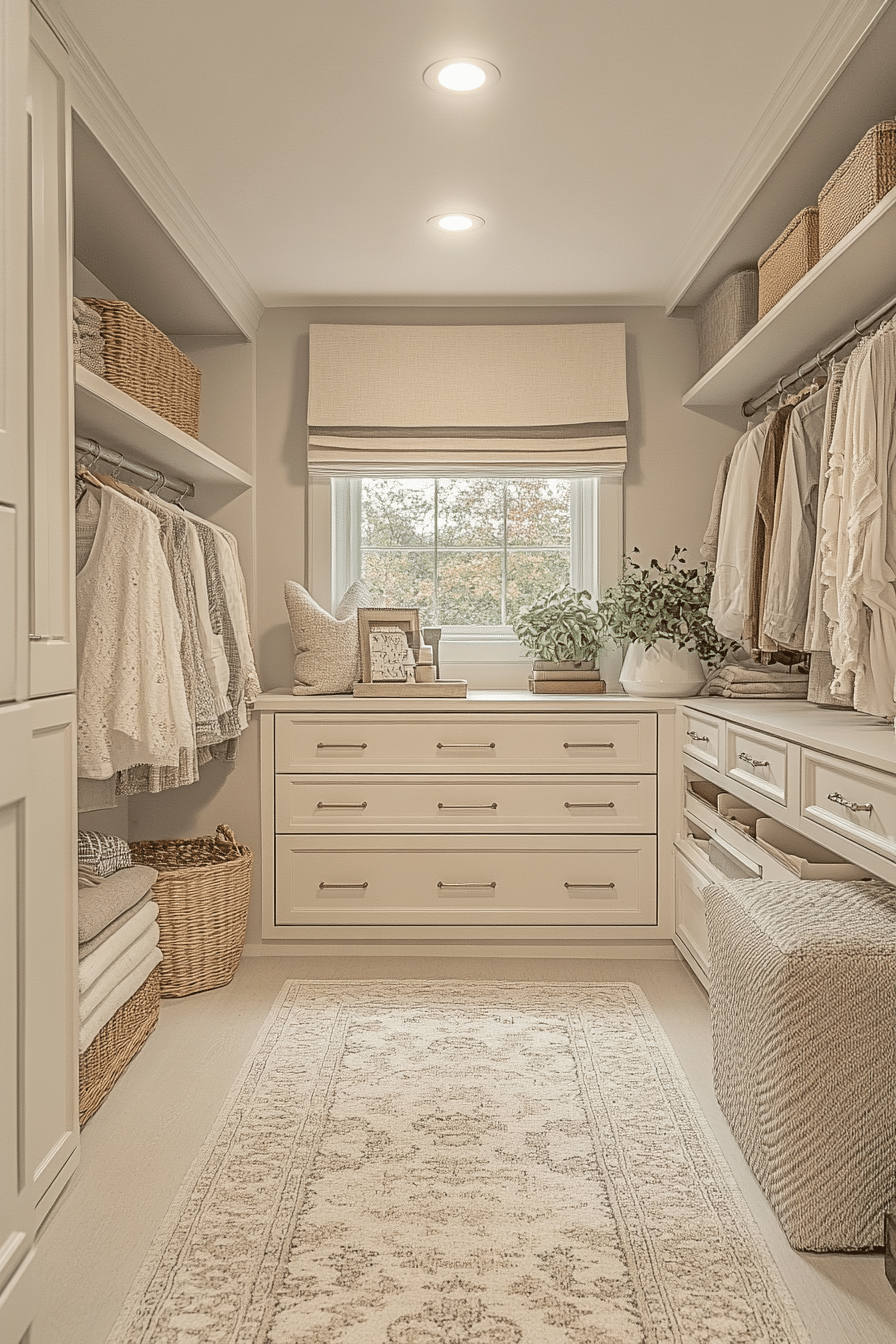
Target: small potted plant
562	631
663	613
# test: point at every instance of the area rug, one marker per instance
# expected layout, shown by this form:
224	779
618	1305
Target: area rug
419	1162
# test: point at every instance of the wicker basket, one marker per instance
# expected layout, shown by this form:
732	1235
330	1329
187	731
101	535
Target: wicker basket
113	1048
141	361
726	316
788	259
857	186
202	892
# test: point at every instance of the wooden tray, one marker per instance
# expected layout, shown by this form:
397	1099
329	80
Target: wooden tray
400	690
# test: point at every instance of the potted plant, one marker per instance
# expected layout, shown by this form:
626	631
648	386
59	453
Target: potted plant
663	613
562	630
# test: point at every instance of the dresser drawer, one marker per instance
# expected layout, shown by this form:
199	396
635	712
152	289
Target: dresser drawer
758	760
702	738
428	880
690	910
579	804
465	744
854	800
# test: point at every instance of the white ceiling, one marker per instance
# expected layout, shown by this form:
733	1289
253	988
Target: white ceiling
304	134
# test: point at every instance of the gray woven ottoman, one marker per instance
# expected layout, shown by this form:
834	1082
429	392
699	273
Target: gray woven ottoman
803	1011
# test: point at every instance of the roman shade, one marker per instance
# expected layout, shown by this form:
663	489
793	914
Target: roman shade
465	401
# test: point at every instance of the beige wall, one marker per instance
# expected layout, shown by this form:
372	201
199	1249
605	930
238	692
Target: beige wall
673	453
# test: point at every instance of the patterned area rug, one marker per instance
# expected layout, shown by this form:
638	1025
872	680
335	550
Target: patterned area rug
449	1163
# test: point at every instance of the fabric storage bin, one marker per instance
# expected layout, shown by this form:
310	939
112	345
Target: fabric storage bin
738	813
726	316
141	361
728	864
858	184
202	892
804	857
788	259
116	1044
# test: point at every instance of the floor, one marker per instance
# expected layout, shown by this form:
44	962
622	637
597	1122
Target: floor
138	1147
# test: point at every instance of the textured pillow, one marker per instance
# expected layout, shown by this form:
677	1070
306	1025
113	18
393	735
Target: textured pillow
328	654
102	855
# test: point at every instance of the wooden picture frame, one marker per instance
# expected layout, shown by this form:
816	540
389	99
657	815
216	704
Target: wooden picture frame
401	618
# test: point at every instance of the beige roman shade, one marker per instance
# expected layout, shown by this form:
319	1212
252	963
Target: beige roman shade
498	401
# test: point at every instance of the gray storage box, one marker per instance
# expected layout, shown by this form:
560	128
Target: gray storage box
726	316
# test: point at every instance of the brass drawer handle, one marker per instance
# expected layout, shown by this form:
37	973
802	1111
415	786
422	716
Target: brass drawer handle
467	746
590	886
569	745
342	886
467	886
751	760
346	746
696	737
468	807
853	807
343	805
571	805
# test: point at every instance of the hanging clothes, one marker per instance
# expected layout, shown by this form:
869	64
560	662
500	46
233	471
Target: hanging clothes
728	598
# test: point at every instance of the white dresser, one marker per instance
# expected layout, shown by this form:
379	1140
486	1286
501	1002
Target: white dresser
505	815
829	776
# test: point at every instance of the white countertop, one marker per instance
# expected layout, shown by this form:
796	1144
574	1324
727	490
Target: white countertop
841	732
476	702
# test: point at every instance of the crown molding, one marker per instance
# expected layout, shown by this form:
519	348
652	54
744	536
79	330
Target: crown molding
104	111
839	32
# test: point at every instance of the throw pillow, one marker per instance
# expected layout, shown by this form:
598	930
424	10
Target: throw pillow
101	854
328	654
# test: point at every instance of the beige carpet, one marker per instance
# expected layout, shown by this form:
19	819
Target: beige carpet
450	1163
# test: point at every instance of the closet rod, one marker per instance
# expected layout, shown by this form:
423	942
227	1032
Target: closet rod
818	361
183	489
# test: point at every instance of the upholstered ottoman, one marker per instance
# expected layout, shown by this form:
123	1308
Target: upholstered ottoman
803	1011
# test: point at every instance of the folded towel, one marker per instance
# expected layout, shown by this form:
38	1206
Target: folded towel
99	906
91	967
759	692
88	879
116	999
91	945
119	970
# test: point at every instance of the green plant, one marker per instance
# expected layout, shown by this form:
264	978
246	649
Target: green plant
671	601
560	627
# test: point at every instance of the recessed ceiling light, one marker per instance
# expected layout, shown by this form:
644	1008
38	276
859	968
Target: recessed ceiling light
456	223
461	74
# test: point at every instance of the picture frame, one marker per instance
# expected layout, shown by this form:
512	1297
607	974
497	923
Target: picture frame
372	618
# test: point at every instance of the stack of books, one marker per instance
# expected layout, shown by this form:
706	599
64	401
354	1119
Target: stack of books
548	679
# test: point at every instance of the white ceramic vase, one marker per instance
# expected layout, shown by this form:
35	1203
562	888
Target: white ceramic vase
663	670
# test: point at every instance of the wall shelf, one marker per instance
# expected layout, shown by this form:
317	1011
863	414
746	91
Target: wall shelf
115	420
851	281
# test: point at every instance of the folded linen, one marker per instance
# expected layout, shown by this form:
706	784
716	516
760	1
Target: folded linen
91	967
95	364
85	949
103	854
88	319
99	906
119	970
116	999
764	693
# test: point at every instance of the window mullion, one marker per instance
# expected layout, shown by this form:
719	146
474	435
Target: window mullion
435	547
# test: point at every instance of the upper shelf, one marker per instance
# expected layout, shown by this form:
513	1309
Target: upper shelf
115	420
852	280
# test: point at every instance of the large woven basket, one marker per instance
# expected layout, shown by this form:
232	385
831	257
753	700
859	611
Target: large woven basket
202	892
141	361
113	1048
726	316
857	186
788	259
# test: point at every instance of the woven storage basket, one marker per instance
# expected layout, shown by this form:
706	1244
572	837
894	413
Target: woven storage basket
857	186
113	1048
788	259
141	361
202	892
726	316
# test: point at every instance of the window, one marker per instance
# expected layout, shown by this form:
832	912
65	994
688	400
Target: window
467	551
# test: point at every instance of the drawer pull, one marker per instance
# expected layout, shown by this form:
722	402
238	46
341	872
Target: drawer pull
343	805
569	745
468	807
342	886
467	886
467	746
696	737
346	746
590	886
751	760
572	805
853	807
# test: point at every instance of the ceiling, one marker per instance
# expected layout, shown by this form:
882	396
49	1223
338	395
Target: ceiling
304	134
